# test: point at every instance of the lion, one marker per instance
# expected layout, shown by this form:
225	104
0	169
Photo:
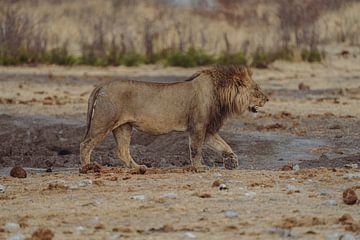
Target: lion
198	105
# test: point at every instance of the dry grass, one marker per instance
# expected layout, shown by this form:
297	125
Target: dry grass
152	27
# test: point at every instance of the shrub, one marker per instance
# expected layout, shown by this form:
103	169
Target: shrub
261	59
131	59
236	58
311	55
283	54
190	58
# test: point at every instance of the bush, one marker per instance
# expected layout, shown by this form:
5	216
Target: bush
60	56
283	54
261	59
311	55
190	58
236	58
131	59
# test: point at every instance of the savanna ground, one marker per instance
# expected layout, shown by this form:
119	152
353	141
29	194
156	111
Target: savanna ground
42	118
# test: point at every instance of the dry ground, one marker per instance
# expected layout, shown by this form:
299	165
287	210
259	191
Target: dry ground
42	119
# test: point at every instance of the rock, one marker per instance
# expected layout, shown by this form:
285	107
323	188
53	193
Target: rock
352	175
18	172
138	197
296	167
42	234
189	235
287	167
115	236
330	202
2	188
216	183
57	184
203	195
323	157
282	232
290	187
217	174
142	169
349	196
303	87
171	195
81	183
326	192
250	195
91	167
18	236
223	187
353	165
12	226
347	236
231	214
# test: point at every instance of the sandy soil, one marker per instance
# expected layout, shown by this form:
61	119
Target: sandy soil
179	204
42	119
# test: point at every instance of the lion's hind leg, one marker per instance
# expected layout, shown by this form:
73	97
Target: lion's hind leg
218	144
122	135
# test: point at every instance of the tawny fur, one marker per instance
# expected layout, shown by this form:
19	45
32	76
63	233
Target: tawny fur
198	105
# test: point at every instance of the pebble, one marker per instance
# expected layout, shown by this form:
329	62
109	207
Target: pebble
347	236
189	235
324	158
352	165
250	195
138	197
82	183
18	172
352	175
18	236
115	236
282	232
223	187
330	202
217	174
338	236
2	188
11	226
296	167
171	195
231	214
326	192
349	196
291	187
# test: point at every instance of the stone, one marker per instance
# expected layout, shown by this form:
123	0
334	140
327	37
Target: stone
10	226
231	214
189	235
2	188
18	172
223	187
171	195
17	236
138	197
330	202
349	196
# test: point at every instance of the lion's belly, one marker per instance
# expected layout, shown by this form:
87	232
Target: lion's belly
159	126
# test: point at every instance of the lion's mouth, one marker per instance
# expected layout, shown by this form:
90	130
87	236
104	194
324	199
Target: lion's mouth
253	109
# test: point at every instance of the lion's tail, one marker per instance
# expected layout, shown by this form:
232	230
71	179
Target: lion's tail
91	106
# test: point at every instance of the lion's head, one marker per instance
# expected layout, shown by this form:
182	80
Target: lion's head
234	92
235	89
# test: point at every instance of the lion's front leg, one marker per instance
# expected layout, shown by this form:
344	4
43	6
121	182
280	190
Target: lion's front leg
218	144
196	142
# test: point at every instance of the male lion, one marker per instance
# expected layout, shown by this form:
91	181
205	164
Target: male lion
198	105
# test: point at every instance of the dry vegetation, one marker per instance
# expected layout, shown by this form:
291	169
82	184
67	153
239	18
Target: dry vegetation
121	32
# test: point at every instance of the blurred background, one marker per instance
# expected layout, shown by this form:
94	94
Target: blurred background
175	32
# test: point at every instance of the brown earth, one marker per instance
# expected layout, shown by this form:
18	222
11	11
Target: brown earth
42	119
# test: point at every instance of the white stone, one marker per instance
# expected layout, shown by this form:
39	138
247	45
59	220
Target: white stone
12	226
138	197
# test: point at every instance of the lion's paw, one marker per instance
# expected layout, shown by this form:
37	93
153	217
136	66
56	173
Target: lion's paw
231	163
